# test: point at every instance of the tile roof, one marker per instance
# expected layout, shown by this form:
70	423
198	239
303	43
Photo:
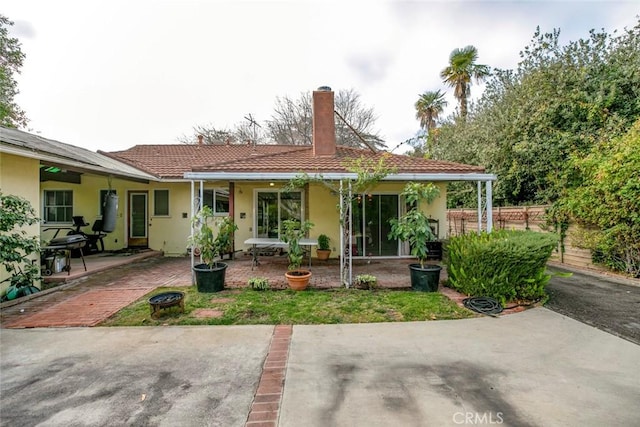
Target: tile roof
172	161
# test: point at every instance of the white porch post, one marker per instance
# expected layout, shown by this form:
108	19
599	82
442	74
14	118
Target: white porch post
479	185
489	206
193	187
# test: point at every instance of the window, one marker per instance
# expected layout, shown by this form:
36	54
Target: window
103	198
217	199
58	205
161	202
273	207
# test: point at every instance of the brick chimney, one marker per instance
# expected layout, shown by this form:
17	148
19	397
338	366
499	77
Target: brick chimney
324	126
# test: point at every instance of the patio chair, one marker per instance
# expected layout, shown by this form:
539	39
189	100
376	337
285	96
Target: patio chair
96	237
95	242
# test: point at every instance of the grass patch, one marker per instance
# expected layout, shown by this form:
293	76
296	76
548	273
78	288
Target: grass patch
310	307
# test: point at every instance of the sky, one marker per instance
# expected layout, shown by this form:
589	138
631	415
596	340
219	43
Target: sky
108	75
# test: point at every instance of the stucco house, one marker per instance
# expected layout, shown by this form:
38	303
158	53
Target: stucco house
160	187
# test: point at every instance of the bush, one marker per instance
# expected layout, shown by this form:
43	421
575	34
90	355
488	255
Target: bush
505	265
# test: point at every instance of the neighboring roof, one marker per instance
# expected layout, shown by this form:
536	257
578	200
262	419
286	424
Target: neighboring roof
13	141
190	161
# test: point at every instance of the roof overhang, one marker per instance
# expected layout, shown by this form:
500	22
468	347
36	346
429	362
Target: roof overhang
73	165
335	176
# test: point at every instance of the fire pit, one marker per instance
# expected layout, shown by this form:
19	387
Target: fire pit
166	300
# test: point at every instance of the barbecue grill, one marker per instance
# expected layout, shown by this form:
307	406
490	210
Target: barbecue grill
67	244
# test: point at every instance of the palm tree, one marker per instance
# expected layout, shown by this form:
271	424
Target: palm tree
428	106
458	74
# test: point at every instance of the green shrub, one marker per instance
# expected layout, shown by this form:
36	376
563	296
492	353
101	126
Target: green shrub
505	265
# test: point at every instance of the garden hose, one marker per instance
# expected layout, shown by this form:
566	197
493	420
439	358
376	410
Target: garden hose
483	305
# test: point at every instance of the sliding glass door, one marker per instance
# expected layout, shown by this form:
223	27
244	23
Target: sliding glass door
273	207
371	215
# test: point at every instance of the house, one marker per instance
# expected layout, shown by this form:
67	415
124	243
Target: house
160	187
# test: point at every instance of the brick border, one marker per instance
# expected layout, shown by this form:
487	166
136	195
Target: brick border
265	408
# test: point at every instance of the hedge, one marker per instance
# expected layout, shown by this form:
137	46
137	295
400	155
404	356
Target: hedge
505	265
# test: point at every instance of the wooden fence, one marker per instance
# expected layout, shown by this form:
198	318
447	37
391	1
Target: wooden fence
461	221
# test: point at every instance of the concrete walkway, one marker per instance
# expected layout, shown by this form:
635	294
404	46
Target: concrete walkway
535	368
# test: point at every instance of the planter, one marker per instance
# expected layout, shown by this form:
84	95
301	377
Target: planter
298	279
323	254
210	279
425	279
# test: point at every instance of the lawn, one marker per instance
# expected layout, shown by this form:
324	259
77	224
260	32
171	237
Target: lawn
273	307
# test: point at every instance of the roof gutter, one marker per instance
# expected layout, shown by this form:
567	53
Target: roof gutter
334	176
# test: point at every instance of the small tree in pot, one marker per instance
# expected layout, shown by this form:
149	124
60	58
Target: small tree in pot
212	236
292	231
414	228
324	248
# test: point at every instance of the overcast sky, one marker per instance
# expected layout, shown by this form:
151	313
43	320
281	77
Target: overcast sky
112	74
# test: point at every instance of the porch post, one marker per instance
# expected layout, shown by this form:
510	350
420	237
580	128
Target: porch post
346	265
192	213
479	185
489	206
349	199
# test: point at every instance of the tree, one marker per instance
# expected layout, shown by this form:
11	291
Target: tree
292	123
461	70
428	107
11	58
606	200
558	103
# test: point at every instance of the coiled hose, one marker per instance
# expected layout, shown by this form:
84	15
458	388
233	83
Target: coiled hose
483	305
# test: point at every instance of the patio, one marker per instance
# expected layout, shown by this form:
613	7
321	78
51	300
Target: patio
391	273
113	282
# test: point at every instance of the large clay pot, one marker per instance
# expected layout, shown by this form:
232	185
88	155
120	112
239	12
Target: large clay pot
298	279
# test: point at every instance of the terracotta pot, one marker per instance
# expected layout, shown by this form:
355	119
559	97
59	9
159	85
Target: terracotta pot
298	279
323	254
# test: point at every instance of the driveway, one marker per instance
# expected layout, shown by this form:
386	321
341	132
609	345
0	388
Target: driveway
607	303
535	368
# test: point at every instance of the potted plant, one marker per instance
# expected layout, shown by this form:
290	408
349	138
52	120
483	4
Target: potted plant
365	281
414	228
292	231
258	283
209	244
324	250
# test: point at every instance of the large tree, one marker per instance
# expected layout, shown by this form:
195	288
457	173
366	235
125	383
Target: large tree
291	124
461	70
11	57
558	103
